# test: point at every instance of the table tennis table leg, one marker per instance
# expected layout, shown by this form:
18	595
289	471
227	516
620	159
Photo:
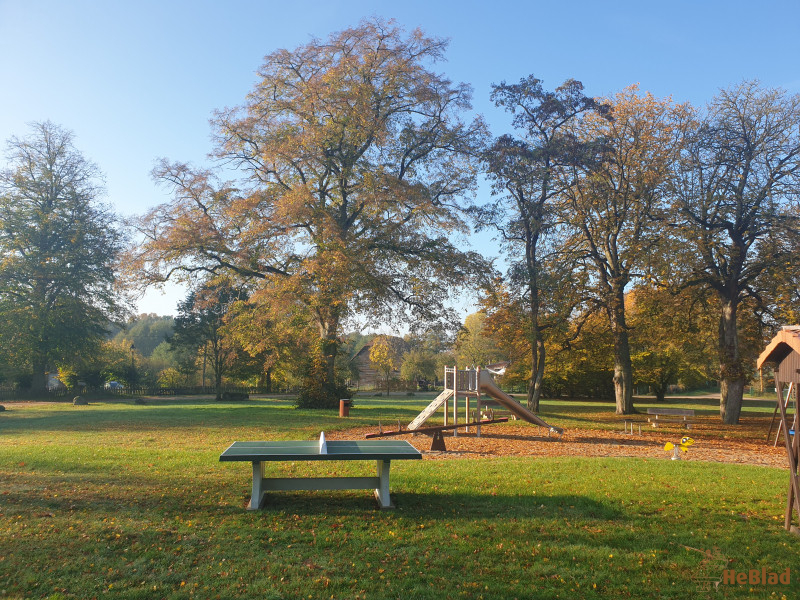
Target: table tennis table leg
382	492
257	495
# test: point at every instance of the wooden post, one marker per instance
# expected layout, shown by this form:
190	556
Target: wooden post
455	399
796	474
774	414
783	404
793	495
447	401
478	401
466	406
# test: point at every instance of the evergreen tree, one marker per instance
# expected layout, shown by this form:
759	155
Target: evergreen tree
58	245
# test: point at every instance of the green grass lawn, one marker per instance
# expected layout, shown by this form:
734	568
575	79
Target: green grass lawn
117	500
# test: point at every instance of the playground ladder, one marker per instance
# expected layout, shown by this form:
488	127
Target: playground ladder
430	409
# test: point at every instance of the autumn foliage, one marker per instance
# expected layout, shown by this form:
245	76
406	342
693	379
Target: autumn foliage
347	165
351	156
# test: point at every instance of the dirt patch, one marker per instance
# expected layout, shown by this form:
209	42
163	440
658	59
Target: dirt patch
514	439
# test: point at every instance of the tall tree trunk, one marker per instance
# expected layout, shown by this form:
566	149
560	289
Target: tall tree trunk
623	374
732	379
218	384
318	389
537	344
537	374
623	370
330	347
38	337
217	358
329	344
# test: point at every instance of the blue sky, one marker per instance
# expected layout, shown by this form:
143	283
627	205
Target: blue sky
139	80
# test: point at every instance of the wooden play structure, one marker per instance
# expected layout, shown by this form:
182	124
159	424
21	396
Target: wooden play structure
783	353
473	386
788	396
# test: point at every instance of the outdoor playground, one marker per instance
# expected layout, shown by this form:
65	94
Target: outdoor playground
125	500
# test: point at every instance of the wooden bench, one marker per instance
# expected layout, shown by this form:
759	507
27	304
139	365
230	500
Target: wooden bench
493	409
671	415
381	451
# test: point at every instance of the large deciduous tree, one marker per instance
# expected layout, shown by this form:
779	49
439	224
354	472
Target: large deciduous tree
355	157
200	328
58	245
523	172
614	207
274	341
737	187
671	337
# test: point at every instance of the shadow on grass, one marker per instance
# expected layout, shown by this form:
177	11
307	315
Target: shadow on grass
204	413
168	416
452	507
38	492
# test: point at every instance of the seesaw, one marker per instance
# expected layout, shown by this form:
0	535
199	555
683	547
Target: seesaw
437	444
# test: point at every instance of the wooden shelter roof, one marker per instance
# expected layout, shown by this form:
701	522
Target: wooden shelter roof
781	346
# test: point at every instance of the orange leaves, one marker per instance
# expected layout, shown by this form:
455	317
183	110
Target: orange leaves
507	322
618	199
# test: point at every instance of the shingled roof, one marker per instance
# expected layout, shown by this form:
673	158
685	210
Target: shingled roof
787	340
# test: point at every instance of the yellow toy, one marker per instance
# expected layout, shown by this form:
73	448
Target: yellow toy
682	447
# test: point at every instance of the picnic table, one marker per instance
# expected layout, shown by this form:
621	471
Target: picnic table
381	451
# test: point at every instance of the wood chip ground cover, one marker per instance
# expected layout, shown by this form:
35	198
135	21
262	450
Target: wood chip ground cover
523	439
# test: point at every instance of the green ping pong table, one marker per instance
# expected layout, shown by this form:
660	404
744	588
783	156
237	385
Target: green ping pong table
381	451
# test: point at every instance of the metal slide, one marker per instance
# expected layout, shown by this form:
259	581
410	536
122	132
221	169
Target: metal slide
488	386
